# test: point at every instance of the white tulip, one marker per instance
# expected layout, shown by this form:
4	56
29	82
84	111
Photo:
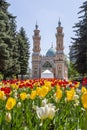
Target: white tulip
51	113
50	105
8	116
18	104
42	112
44	102
48	111
76	97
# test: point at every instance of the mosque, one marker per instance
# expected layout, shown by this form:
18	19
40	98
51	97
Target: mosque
54	60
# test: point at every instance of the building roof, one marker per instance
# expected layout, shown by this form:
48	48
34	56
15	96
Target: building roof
51	52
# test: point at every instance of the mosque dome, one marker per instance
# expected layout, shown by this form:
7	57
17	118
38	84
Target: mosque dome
51	52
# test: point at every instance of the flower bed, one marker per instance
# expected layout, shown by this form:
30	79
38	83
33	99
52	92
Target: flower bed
42	104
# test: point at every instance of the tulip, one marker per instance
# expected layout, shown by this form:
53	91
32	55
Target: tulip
11	102
47	111
8	116
23	96
83	89
18	104
84	99
33	94
59	93
44	102
42	112
2	95
70	94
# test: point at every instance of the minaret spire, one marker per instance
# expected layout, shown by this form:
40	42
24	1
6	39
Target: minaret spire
36	26
59	23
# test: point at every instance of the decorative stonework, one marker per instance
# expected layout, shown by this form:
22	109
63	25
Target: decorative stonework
54	59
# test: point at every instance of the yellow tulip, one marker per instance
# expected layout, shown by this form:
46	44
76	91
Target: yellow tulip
38	90
10	103
83	89
84	99
48	84
59	94
70	94
23	96
33	94
2	95
44	91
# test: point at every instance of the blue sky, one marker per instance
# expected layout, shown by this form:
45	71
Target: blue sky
47	14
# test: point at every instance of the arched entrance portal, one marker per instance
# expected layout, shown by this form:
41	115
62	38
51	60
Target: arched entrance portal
47	66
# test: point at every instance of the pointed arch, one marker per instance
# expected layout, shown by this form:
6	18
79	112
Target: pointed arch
47	65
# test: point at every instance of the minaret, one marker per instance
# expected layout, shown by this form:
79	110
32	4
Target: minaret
36	40
59	39
36	53
59	58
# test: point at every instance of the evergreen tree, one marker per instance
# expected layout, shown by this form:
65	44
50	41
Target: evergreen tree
79	43
23	50
5	40
72	73
16	64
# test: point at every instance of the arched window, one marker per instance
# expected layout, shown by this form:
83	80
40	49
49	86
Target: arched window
47	65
